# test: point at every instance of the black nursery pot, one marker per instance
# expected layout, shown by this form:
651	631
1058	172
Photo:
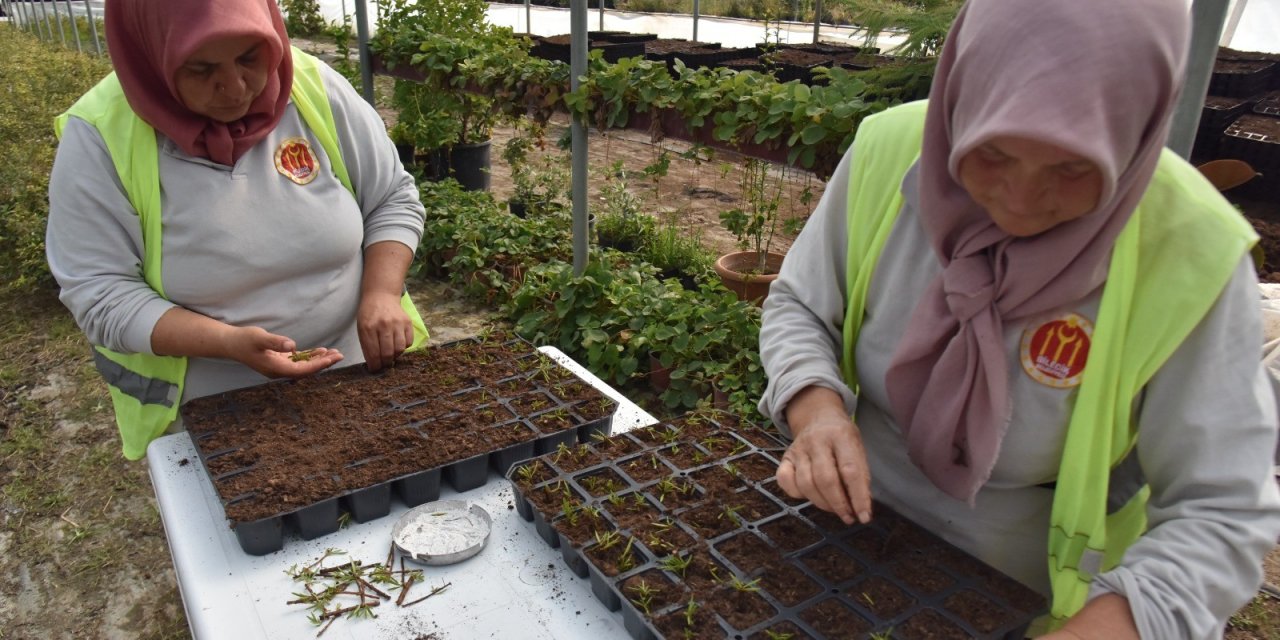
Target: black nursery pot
469	164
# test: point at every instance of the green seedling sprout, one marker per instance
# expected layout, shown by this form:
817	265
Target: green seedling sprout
606	539
690	610
570	510
615	499
561	451
665	486
627	560
887	634
676	564
732	469
778	635
746	586
528	471
643	597
731	513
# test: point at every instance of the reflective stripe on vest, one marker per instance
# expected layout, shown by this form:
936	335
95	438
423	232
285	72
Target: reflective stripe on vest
146	389
1169	264
139	387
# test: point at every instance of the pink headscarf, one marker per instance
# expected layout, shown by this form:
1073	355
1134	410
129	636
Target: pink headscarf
1099	78
150	40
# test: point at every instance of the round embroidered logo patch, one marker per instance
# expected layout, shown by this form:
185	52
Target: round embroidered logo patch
1054	353
296	161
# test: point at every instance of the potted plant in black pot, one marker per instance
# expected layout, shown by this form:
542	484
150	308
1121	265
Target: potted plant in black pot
540	182
424	127
749	272
621	225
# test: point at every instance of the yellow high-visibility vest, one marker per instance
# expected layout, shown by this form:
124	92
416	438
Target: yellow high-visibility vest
1169	265
146	390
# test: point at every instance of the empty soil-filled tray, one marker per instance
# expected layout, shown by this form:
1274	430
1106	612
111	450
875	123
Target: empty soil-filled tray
297	453
683	529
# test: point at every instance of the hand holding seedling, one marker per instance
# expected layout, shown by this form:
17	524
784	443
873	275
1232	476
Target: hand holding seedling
277	356
826	462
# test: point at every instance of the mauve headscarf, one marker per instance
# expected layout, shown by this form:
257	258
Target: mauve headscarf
150	39
1095	77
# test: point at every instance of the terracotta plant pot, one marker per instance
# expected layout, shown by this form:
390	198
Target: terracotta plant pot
737	270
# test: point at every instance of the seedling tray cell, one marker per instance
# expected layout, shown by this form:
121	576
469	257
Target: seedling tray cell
292	455
419	488
744	558
465	475
368	504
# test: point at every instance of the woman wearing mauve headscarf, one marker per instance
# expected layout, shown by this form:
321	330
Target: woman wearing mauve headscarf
220	203
1017	319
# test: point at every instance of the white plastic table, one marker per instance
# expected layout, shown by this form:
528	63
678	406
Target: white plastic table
516	587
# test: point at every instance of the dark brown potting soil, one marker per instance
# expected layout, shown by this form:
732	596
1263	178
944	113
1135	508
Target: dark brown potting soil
749	559
278	447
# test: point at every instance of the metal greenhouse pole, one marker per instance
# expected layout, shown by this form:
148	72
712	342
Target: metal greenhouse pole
62	34
578	134
93	25
75	26
1207	18
695	20
817	19
362	38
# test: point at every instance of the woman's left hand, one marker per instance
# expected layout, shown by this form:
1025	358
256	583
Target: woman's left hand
384	328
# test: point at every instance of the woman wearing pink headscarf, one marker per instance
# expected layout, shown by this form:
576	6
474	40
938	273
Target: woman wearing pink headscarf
1017	319
225	200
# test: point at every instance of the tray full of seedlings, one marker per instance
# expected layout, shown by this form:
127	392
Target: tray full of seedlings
307	454
682	528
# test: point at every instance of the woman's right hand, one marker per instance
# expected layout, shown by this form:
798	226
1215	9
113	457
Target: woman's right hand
826	463
274	355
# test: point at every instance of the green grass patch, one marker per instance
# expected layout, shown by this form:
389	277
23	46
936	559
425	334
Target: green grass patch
38	81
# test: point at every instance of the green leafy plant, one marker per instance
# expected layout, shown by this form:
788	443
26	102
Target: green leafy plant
539	180
621	223
302	18
755	222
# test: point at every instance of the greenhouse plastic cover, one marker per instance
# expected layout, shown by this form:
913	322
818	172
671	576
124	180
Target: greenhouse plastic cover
1256	29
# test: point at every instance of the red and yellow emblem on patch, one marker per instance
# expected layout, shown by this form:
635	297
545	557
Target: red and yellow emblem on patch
296	161
1054	353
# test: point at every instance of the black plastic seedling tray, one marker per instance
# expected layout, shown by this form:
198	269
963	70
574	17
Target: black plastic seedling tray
708	525
400	435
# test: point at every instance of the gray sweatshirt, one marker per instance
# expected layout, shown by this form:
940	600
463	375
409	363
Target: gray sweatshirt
1207	428
244	245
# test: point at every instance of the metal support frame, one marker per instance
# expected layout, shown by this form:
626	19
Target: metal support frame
62	34
93	24
1207	18
695	20
578	134
817	19
48	24
75	27
362	37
